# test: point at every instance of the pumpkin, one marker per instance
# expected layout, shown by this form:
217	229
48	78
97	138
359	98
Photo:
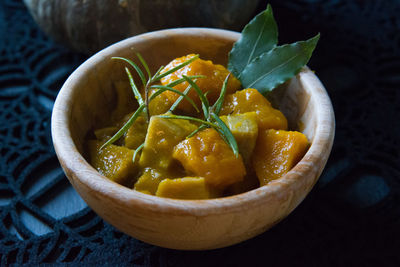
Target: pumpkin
90	25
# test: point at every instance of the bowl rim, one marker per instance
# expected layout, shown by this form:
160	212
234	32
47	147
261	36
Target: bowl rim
78	170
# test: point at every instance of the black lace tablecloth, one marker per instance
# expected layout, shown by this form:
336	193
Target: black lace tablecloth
351	217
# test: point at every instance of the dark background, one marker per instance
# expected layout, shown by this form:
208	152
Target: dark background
351	217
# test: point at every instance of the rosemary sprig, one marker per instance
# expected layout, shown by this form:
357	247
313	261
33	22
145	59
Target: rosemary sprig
144	104
211	118
210	115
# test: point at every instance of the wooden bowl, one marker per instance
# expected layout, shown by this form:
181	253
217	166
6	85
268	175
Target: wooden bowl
88	96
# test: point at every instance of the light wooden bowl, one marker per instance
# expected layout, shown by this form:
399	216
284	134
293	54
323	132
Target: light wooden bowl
88	97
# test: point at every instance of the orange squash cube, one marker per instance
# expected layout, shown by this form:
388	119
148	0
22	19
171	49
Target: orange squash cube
207	155
215	76
248	100
276	153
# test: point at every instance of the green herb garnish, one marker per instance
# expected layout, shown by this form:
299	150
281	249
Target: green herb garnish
210	115
255	60
148	84
259	63
258	36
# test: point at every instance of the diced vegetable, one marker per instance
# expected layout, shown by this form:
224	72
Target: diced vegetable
162	135
251	100
276	153
185	188
114	162
148	181
245	130
207	155
215	76
136	134
160	104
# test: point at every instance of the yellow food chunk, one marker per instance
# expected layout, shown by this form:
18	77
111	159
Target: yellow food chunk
114	162
148	181
184	188
104	134
215	76
162	135
160	104
136	134
207	155
276	153
245	130
251	100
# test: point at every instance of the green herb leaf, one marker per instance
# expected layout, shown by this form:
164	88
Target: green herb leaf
144	64
136	67
259	36
163	88
218	104
181	80
153	79
278	65
135	91
227	134
124	128
180	117
203	126
180	98
137	150
204	101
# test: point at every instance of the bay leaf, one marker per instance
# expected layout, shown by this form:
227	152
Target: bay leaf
259	36
277	65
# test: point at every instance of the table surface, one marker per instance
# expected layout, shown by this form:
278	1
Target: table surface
351	217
